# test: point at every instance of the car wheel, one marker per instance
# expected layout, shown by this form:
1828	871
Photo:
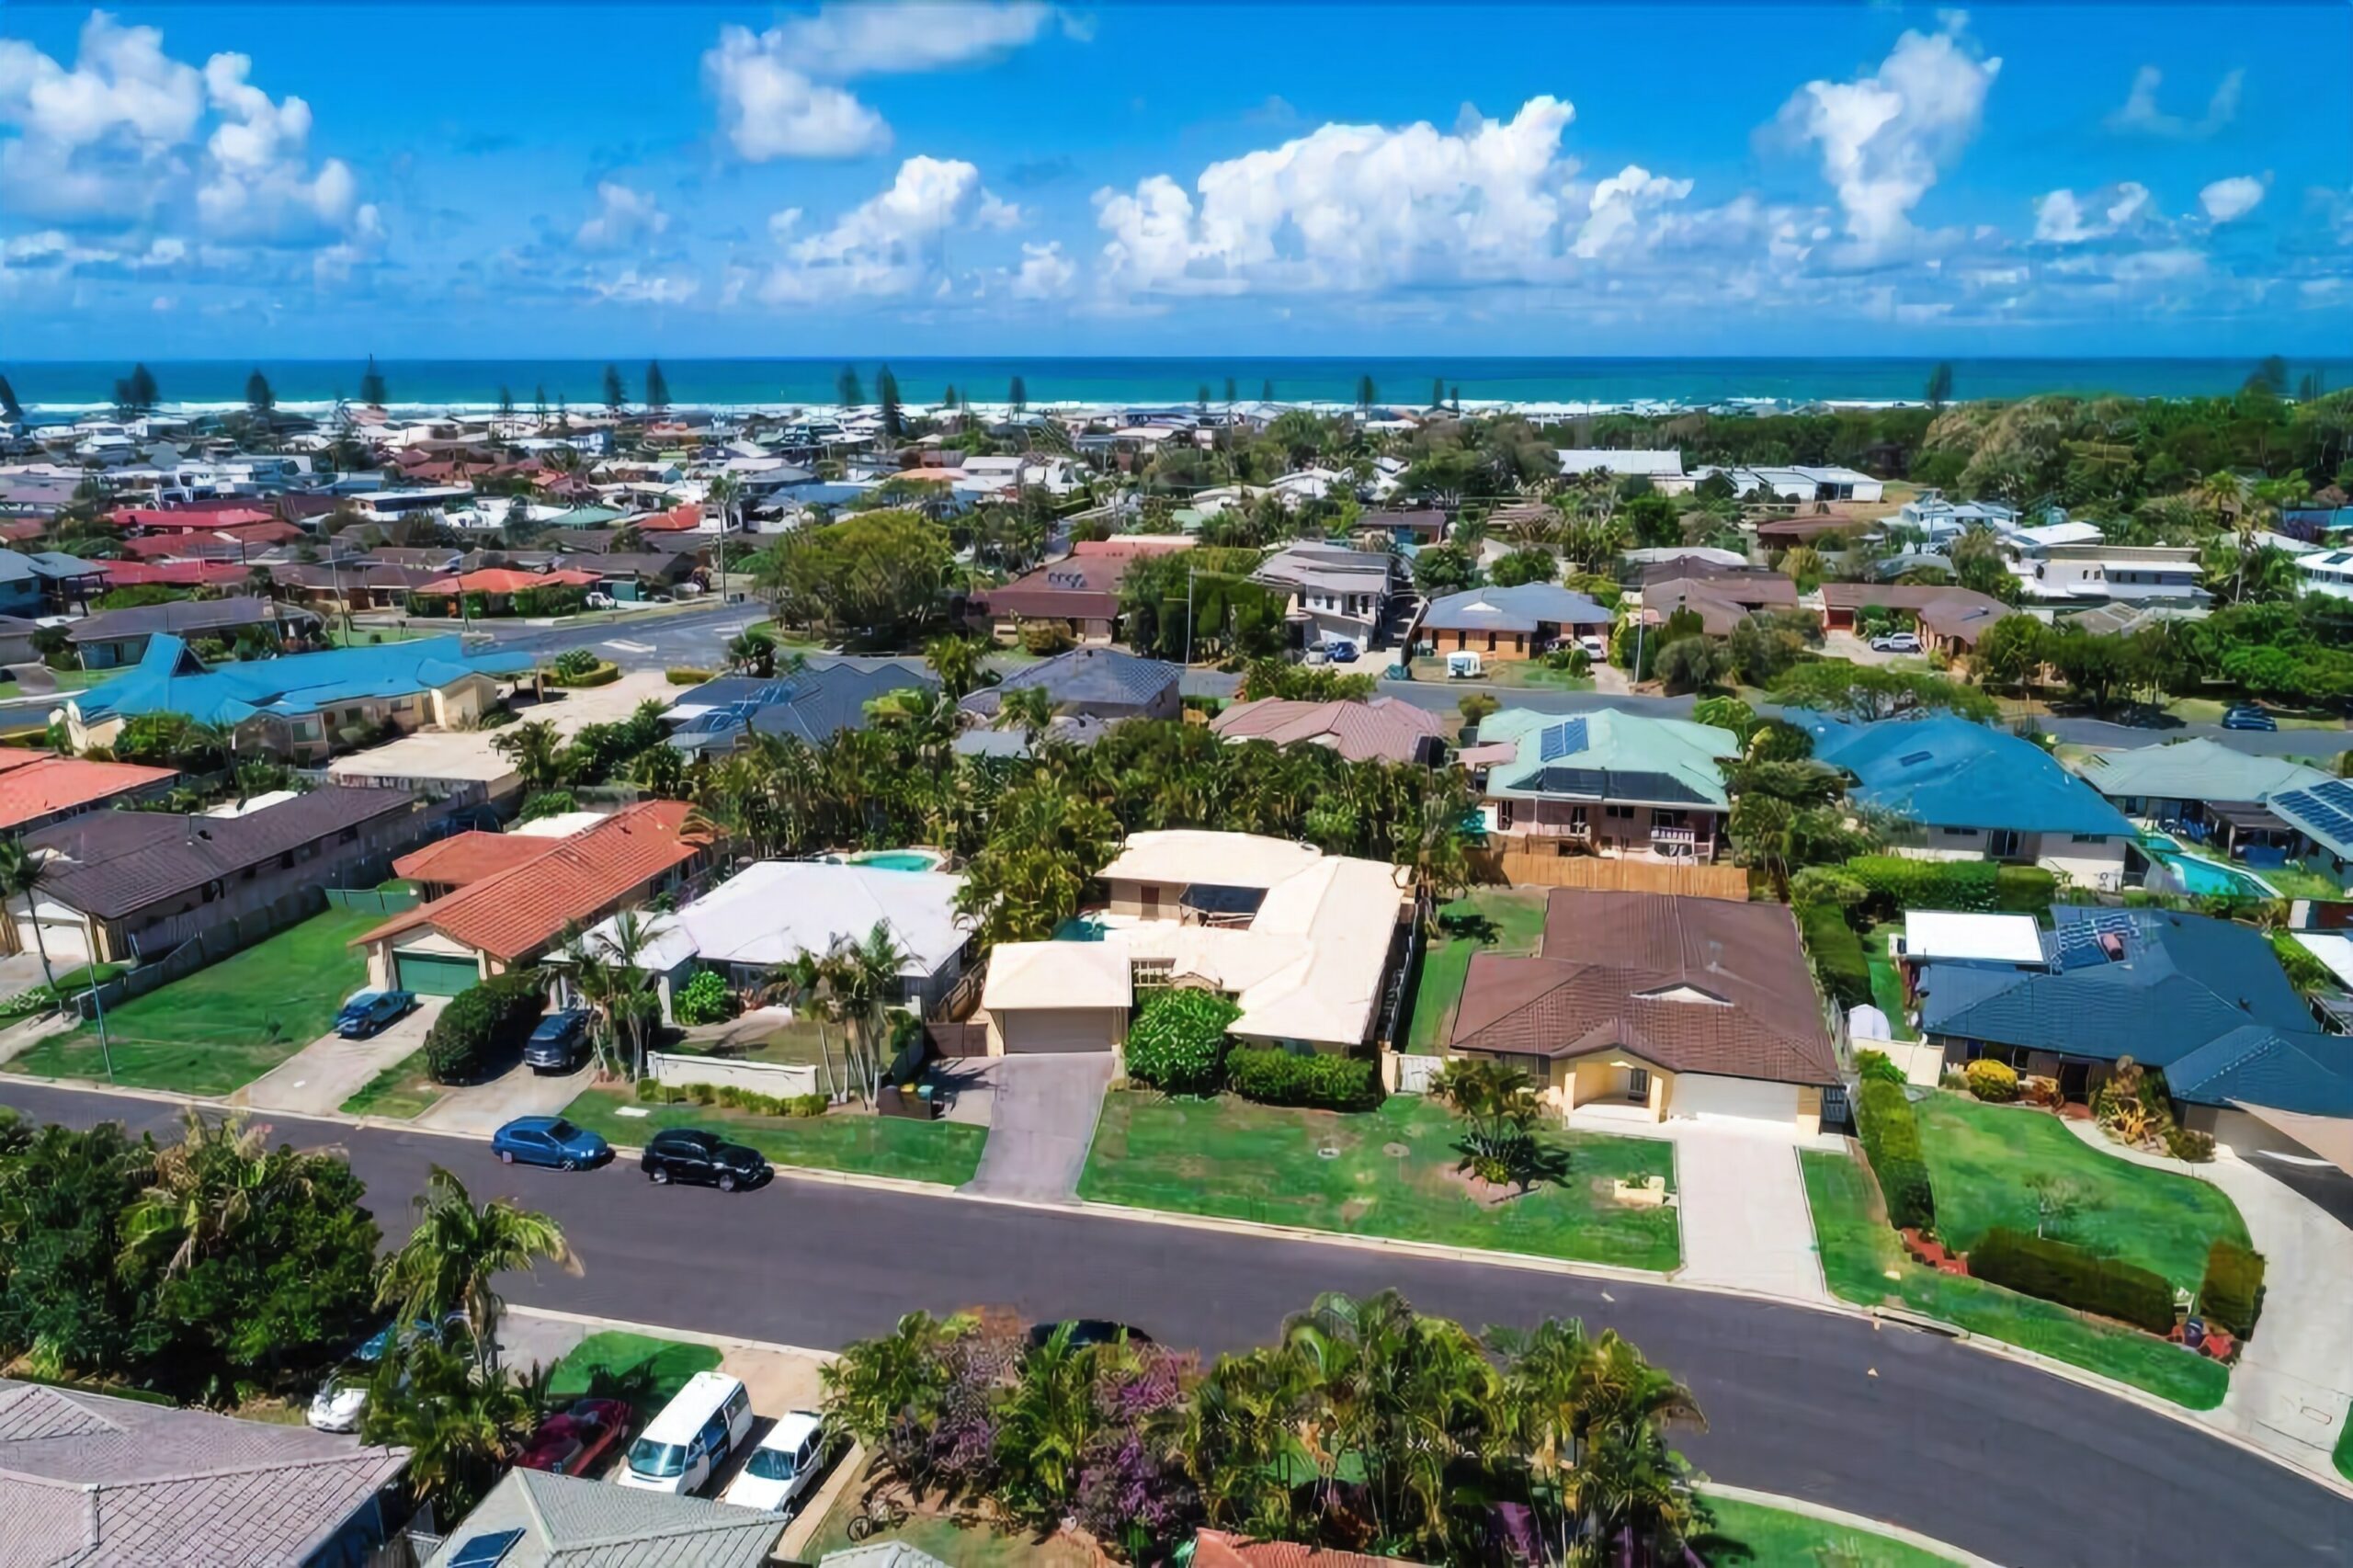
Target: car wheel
727	1181
570	1163
506	1156
661	1177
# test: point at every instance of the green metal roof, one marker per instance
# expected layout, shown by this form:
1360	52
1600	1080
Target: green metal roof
1637	758
2199	769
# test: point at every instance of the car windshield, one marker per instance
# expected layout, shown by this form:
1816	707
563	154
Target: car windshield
561	1130
770	1464
659	1461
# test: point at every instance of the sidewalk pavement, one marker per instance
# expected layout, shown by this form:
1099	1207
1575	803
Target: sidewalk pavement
2290	1392
317	1079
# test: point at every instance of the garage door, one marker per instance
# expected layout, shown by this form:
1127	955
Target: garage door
435	975
1041	1028
1733	1100
64	943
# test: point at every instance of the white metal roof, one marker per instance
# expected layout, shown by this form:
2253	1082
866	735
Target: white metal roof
1988	938
773	911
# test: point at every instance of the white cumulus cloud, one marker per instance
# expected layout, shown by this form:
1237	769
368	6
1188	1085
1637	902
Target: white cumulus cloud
887	246
1046	273
260	185
1618	205
101	139
770	109
623	217
2065	218
2227	201
881	39
1884	138
631	288
2139	114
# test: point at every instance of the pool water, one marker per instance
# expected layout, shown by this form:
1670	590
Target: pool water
2202	878
898	860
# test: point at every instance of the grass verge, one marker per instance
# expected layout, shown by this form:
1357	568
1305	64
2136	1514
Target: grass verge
401	1090
1389	1173
1750	1533
944	1152
639	1367
2344	1455
1863	1262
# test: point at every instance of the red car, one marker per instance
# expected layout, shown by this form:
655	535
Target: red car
573	1440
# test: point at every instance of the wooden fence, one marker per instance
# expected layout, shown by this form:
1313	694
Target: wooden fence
1607	874
957	1040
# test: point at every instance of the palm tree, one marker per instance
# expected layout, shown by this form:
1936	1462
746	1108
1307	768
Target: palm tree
203	1189
536	748
956	661
1049	1418
457	1250
613	976
750	653
459	1420
1433	846
1030	709
21	876
805	984
864	978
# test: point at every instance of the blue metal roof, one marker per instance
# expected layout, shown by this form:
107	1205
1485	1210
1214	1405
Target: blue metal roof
1944	771
2298	1069
169	679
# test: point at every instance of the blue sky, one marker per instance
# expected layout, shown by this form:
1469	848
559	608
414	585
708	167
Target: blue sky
191	180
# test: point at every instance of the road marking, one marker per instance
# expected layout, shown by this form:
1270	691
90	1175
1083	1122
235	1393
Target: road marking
628	647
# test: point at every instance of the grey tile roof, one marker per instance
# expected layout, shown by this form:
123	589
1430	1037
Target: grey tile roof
1098	678
183	616
571	1523
88	1480
812	705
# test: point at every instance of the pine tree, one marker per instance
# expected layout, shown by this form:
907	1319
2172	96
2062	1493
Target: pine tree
1266	390
258	397
1437	391
371	385
1019	396
1940	385
615	395
136	392
539	403
506	401
948	400
1202	400
846	386
9	408
1366	394
1229	394
657	387
886	392
1458	400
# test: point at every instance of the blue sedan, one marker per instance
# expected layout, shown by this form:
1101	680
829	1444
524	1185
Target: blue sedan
549	1141
370	1011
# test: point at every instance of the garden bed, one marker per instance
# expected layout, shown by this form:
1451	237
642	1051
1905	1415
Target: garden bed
944	1152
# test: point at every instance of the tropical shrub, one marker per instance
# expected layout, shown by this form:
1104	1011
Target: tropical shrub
705	999
1177	1043
2184	1144
1837	954
1895	883
2231	1292
2060	1271
1274	1076
1877	1066
1042	636
1994	1082
1891	1139
683	676
479	1023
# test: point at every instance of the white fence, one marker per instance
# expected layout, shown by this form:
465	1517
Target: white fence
1410	1075
777	1078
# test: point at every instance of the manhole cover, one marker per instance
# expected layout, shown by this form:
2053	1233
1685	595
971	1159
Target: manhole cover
1327	1153
1395	1150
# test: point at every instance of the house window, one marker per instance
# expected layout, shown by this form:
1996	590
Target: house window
348	835
2002	843
1618	813
1638	1082
2088	838
1959	832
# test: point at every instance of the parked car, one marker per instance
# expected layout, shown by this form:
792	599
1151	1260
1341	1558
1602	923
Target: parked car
1340	651
549	1141
598	601
560	1043
783	1467
691	1154
1895	642
572	1441
2247	716
338	1405
1398	671
370	1011
685	1443
1597	647
1085	1332
1316	655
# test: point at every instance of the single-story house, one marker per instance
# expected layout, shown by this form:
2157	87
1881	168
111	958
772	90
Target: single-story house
510	919
1608	782
90	1481
772	912
812	704
1510	624
296	706
2105	573
1654	1005
1663	469
464	859
1422	528
1971	792
535	1518
1303	941
1721	596
497	586
357	585
2205	791
1387	729
1097	683
632	576
117	637
1947	617
2322	813
38	789
126	886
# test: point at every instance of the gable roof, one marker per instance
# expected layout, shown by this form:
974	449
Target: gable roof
1099	676
517	912
88	1480
469	856
181	617
1944	771
772	911
2298	1069
568	1522
1608	754
811	704
1691	984
1520	609
1389	727
2200	769
38	785
168	678
108	864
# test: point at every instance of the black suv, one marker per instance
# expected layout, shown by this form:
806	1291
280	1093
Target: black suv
688	1154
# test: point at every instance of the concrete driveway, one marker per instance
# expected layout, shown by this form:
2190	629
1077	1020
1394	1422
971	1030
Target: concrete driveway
484	1108
1041	1121
317	1079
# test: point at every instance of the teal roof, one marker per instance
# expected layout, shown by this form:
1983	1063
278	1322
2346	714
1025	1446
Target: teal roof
169	679
2195	770
2298	1069
1609	755
1944	771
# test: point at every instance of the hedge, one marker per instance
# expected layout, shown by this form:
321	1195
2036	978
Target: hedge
732	1098
682	675
1890	1138
2061	1272
605	673
1177	1042
1977	887
479	1022
2231	1292
1837	954
1324	1083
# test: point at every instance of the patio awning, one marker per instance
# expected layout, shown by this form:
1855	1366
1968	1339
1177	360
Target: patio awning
2330	1137
2247	816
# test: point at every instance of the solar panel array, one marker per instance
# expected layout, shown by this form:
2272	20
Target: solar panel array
2077	943
2327	807
1564	739
729	716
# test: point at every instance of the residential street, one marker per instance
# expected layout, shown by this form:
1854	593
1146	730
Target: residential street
1992	1455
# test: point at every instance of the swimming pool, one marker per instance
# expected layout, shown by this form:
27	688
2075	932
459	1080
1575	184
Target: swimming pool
899	861
2201	877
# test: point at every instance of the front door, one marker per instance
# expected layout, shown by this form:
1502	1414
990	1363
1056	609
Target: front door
1638	1086
2074	1081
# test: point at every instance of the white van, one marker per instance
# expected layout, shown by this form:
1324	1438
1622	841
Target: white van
684	1446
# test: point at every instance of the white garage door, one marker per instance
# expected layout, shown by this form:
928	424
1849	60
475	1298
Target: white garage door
1733	1100
64	942
1055	1028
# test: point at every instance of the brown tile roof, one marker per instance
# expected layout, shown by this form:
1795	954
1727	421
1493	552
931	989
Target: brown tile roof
1721	597
1082	587
517	912
1905	596
1691	984
1220	1549
1386	727
463	859
39	785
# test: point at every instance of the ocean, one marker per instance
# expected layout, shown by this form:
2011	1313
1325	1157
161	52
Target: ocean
54	389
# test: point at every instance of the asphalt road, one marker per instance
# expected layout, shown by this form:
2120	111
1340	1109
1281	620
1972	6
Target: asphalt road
2021	1467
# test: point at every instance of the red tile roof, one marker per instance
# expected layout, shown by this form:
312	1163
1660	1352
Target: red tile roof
189	519
677	519
1389	727
40	785
172	574
506	580
516	913
1219	1549
464	859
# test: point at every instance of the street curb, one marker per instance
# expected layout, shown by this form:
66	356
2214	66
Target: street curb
658	1331
1845	1520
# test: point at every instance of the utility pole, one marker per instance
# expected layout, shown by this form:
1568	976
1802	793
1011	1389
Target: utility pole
105	1047
1189	615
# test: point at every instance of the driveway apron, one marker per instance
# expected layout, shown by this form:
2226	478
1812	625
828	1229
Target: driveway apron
1041	1124
1745	1223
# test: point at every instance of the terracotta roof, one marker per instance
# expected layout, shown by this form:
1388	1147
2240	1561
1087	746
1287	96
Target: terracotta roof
464	859
1689	985
39	786
507	580
1127	547
674	520
1220	1549
517	912
1084	587
1387	727
172	574
202	519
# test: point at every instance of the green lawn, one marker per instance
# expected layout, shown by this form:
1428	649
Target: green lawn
646	1371
794	1044
1515	916
2344	1455
958	1544
1887	986
1752	1534
1981	1155
221	1027
946	1151
1516	674
1864	1262
1229	1157
2294	882
2209	710
401	1090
